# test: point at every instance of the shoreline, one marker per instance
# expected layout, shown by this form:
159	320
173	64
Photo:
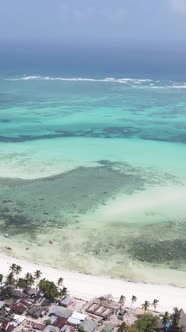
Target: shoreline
88	286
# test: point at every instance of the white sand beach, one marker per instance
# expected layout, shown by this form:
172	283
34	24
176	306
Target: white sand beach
87	286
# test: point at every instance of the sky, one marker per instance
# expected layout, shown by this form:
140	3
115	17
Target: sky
92	20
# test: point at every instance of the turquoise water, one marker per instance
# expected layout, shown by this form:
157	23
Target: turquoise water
97	166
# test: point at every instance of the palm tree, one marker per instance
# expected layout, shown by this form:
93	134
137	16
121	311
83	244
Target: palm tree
123	327
27	275
18	269
22	283
64	290
1	278
122	299
49	289
146	305
42	284
133	299
29	279
12	268
60	282
10	280
37	276
165	319
176	317
154	303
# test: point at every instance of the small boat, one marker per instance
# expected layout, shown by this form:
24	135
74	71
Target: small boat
5	235
140	259
173	267
8	248
50	242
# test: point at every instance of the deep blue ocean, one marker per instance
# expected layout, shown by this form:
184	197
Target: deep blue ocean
138	59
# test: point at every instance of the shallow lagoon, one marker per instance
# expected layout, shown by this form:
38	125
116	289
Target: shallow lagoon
98	169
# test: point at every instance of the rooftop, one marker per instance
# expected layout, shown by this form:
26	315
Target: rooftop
66	300
2	304
76	318
60	312
50	328
89	325
67	328
59	322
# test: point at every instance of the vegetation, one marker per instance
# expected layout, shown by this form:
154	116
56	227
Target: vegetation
134	299
81	329
154	304
18	269
147	323
122	299
64	291
60	282
165	319
1	278
29	279
15	269
146	305
10	280
21	283
49	289
12	268
123	327
37	276
175	317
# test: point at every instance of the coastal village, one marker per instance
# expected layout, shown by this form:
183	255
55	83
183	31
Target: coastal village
35	304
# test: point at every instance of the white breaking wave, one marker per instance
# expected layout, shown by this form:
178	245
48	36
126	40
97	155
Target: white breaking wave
178	86
79	79
167	86
134	82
